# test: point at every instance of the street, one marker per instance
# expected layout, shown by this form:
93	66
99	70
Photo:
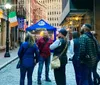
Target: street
10	75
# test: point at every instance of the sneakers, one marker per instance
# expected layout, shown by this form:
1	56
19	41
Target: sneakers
39	82
48	80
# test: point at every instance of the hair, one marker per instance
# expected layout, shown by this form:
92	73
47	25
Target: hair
45	33
82	31
30	39
75	34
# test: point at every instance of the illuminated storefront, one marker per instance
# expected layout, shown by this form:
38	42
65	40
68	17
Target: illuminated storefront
76	13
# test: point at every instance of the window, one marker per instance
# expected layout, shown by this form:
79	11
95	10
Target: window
55	24
57	18
52	13
50	19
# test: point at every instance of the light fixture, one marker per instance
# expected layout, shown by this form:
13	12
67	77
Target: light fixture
7	54
76	18
8	6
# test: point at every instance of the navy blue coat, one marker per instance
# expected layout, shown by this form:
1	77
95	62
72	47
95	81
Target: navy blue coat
27	54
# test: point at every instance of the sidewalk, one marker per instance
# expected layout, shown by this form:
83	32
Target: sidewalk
5	61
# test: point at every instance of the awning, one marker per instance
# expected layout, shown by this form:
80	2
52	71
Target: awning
1	13
73	9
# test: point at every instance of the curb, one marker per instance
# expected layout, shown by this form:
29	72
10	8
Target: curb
8	62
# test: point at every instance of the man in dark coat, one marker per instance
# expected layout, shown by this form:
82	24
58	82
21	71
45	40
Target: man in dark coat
88	55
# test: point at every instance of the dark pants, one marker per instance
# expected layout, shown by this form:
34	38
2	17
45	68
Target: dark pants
86	75
23	72
47	64
60	76
95	74
76	65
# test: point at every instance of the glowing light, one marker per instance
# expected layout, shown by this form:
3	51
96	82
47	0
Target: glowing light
8	6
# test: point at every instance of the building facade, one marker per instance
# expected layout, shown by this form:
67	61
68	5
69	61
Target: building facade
3	18
54	10
97	18
38	11
3	21
75	14
64	2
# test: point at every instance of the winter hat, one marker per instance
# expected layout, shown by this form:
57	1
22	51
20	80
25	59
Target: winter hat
63	31
88	26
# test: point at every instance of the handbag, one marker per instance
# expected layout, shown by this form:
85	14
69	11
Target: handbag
55	63
18	65
19	62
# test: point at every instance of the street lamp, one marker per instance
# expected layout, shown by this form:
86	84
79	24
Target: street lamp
7	54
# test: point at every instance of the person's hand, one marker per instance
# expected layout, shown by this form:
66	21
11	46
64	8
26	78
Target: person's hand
35	62
70	59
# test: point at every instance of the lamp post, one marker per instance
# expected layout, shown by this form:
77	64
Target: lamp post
7	54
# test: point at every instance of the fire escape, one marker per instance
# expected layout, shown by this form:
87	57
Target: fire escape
21	13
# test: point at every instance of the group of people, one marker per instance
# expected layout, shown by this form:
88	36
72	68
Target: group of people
83	50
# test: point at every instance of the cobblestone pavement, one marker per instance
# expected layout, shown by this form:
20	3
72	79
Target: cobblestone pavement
10	75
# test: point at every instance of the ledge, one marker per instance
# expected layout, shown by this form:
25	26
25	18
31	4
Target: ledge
2	48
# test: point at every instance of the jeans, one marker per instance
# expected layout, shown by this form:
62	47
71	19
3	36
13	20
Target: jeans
76	66
47	64
23	72
86	75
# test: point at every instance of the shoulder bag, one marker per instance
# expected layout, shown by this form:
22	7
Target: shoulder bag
55	63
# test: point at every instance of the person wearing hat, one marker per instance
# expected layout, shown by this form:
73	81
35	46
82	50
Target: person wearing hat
58	46
88	55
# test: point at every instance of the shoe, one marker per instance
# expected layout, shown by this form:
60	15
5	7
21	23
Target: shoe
95	83
39	82
48	80
99	81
